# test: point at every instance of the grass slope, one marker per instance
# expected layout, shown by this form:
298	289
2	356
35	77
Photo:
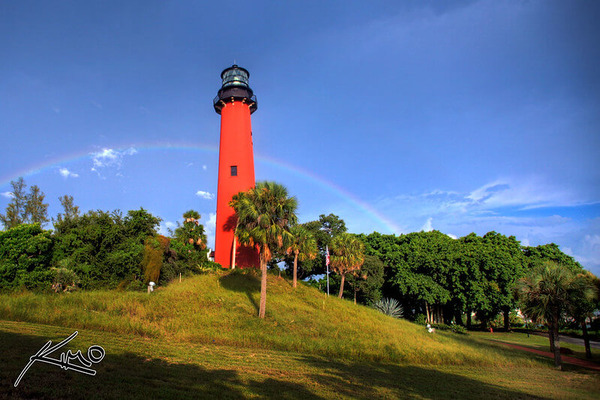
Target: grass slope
201	338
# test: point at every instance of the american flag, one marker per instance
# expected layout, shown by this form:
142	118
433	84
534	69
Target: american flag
327	256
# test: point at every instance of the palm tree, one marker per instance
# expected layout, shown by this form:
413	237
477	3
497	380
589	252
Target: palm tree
264	215
584	305
546	295
304	247
191	231
347	256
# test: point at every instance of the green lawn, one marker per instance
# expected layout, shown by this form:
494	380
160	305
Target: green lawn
200	339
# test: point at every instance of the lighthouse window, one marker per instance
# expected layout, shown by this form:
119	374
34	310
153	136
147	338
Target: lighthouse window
234	170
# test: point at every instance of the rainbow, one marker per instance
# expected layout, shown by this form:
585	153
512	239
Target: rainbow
304	174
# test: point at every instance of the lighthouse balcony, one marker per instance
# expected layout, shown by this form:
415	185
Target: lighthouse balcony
229	96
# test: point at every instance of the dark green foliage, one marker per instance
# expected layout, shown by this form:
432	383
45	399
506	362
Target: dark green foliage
368	282
548	293
25	256
535	256
459	329
323	230
104	249
445	279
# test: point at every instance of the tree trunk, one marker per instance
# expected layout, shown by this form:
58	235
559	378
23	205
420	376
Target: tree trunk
506	313
557	358
342	286
427	311
469	312
458	317
233	251
263	286
355	291
586	340
551	337
295	278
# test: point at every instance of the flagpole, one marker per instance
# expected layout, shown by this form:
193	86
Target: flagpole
327	264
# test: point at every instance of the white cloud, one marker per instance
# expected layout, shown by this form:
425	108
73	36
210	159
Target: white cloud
528	208
8	195
427	227
66	173
212	221
525	192
110	158
204	167
211	227
164	227
205	195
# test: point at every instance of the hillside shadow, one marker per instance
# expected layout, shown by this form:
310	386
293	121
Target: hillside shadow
128	376
246	282
359	380
497	345
132	376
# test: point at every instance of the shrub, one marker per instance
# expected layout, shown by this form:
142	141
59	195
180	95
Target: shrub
459	329
389	307
421	319
64	280
441	327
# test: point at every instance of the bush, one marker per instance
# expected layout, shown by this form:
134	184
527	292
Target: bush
25	254
421	319
459	329
441	327
389	307
64	280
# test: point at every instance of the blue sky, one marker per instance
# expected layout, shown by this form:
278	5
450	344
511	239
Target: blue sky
464	116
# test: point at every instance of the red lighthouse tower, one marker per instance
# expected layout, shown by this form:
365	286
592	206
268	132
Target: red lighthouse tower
235	102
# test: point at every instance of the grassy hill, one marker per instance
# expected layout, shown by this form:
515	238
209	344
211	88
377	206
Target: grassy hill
309	344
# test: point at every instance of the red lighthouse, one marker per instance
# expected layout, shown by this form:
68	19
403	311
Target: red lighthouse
235	102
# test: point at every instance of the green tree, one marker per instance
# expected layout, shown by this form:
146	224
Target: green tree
191	231
16	213
502	267
324	230
140	224
367	283
25	208
347	256
71	212
103	248
35	208
546	295
25	255
303	246
584	305
264	215
423	261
